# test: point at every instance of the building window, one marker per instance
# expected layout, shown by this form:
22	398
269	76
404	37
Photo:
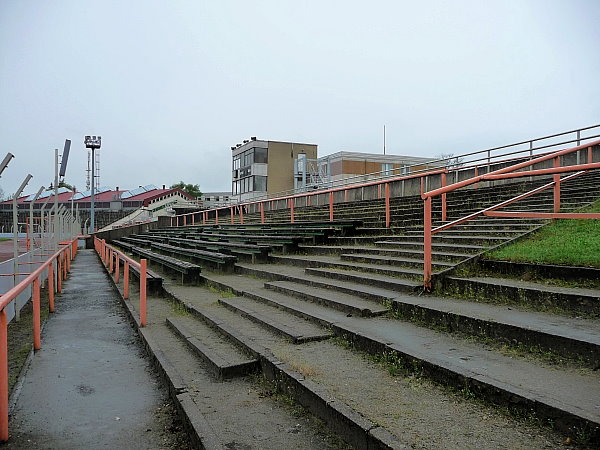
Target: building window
387	169
405	170
260	155
260	183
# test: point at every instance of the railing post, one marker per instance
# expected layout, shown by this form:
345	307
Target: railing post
231	210
58	275
331	206
388	217
51	287
427	245
241	214
110	260
204	218
126	280
117	274
262	212
216	217
556	186
291	204
143	266
3	376
37	342
422	180
444	217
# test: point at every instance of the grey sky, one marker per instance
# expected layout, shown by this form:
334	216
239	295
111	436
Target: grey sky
171	85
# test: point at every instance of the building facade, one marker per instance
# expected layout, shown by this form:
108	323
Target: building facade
262	168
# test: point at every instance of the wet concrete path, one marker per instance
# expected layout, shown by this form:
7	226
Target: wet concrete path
89	386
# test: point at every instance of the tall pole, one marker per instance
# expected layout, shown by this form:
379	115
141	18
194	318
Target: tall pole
16	239
384	139
92	205
30	229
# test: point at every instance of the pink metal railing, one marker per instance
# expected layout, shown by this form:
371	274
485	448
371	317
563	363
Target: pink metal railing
507	173
63	259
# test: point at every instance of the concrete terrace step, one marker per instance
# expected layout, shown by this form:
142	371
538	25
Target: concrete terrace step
396	284
224	359
392	260
568	337
335	249
295	329
531	294
348	303
569	397
298	275
323	261
440	246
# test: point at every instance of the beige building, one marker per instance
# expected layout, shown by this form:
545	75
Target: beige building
261	168
362	167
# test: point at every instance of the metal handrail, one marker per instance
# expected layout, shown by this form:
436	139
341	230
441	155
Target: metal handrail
109	255
500	174
63	256
488	159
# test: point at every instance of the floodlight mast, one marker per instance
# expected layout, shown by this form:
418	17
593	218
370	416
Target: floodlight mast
5	162
30	229
92	142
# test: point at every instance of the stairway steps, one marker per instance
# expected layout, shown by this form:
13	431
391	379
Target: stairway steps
396	284
297	330
347	303
392	260
224	359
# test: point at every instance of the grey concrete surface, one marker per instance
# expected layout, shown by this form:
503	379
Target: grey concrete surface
89	386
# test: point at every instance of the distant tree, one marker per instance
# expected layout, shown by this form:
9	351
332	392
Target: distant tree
451	161
190	189
66	185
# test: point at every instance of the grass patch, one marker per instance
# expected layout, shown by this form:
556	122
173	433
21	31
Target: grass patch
5	239
572	242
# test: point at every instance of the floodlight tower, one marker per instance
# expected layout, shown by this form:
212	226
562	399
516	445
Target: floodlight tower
93	143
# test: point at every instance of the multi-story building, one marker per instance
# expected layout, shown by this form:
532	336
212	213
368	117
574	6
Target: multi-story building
261	168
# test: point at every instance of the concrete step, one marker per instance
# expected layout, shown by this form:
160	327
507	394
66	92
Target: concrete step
293	328
396	284
322	261
347	303
568	397
473	233
417	254
395	261
533	295
573	338
297	275
224	359
436	246
453	238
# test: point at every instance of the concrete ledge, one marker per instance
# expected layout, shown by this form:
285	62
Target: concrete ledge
199	430
567	273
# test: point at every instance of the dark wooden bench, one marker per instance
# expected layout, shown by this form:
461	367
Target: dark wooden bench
189	271
220	260
136	240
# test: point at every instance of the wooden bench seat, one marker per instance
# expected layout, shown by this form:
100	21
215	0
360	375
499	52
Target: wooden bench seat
222	261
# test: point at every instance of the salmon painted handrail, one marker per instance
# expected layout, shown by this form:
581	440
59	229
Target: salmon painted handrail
63	256
508	173
111	258
290	200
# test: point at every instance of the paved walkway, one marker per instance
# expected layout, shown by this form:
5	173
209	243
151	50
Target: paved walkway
89	386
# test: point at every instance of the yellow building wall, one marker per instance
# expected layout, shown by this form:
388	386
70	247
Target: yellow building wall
281	164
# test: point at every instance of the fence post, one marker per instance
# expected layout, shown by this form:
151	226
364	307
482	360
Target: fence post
3	376
117	260
388	217
231	214
331	206
262	212
126	280
51	287
291	204
444	216
556	186
58	275
143	266
427	244
37	342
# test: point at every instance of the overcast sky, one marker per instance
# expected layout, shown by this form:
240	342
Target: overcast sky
171	85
